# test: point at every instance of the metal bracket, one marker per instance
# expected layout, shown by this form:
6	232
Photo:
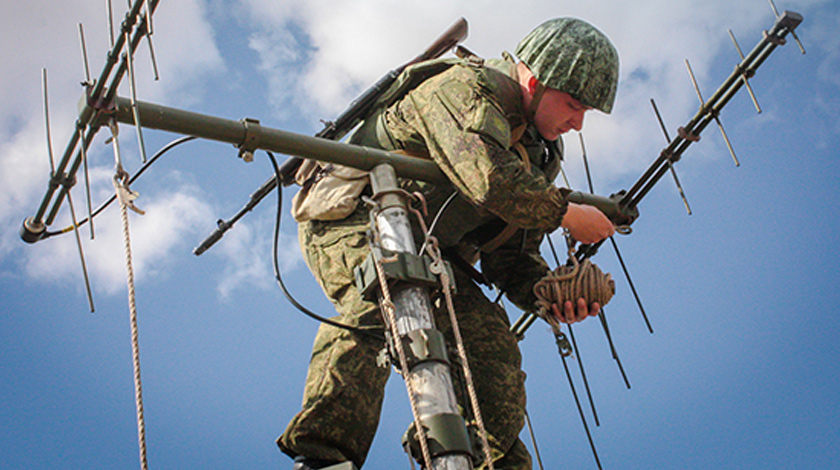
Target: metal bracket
424	345
399	266
252	139
446	434
687	135
63	180
775	40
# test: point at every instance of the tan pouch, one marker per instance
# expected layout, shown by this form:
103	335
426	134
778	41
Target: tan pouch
333	196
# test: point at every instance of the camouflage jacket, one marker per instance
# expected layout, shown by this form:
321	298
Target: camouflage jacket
466	119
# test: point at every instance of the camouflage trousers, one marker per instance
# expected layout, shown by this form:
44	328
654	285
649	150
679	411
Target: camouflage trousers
345	386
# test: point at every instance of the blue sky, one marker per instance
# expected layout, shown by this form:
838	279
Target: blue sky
741	371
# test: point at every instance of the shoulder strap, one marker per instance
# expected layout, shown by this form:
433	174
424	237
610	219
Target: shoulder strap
511	229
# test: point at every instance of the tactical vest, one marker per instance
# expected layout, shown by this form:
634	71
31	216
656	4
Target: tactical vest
332	192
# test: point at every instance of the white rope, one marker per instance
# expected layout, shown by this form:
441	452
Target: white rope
126	198
439	269
388	309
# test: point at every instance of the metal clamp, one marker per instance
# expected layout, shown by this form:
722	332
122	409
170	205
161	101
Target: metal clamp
424	345
398	266
773	39
251	141
446	434
687	135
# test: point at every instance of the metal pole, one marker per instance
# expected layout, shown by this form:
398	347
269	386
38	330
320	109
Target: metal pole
248	133
431	381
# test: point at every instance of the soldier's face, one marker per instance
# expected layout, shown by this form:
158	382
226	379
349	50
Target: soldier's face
558	113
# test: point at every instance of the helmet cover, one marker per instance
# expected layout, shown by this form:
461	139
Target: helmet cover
572	56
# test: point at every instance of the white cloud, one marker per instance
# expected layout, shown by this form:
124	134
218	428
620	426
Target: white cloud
170	217
44	34
244	253
350	45
186	51
316	56
281	58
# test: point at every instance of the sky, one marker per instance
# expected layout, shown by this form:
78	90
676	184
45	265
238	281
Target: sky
740	372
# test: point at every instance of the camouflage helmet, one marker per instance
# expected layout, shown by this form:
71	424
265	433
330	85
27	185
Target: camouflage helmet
571	55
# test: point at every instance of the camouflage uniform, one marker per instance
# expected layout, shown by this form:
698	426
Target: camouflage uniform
465	118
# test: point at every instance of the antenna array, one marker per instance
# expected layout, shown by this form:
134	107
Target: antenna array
97	109
101	107
622	207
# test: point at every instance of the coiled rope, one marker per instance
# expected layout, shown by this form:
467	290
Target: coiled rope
581	280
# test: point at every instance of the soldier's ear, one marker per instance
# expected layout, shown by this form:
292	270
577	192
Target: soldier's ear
532	85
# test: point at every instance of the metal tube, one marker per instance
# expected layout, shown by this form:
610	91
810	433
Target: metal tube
430	380
276	140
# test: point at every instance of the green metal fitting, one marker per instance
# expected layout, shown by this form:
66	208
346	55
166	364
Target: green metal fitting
425	345
398	266
446	433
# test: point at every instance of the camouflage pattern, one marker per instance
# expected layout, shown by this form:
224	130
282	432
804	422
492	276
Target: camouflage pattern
463	118
573	56
515	267
345	386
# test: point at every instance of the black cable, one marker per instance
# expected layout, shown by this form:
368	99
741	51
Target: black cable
113	198
277	274
372	332
575	348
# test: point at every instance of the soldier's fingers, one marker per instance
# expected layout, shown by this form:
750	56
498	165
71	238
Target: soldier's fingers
582	310
557	313
570	312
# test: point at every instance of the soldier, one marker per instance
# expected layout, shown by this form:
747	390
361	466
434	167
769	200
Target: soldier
493	127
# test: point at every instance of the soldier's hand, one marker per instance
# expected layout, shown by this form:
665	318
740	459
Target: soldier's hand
571	315
587	224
